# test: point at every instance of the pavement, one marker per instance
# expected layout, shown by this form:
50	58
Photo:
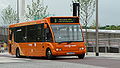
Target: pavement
8	61
90	54
13	62
114	55
5	54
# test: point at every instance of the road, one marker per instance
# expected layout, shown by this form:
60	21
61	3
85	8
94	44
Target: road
8	61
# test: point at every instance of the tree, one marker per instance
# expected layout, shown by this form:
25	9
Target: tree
112	27
36	11
118	27
9	16
93	25
87	8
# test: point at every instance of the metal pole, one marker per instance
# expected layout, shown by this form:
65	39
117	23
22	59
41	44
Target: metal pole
22	10
97	47
17	11
105	48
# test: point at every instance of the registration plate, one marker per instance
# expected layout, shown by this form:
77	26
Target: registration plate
68	53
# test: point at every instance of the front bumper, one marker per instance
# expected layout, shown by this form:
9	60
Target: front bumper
66	53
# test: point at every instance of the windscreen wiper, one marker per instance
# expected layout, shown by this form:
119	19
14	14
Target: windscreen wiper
69	42
66	42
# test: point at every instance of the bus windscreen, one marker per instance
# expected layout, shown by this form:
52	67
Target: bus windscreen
64	20
67	33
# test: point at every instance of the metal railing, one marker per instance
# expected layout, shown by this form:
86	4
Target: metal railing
109	44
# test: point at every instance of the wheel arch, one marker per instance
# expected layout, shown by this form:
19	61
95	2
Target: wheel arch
17	49
47	50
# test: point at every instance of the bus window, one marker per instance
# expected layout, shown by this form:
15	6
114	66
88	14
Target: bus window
10	32
66	33
48	34
31	33
35	33
40	33
20	34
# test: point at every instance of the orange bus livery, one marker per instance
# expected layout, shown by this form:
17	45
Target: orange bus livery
48	37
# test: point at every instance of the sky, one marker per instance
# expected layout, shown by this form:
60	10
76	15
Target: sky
109	10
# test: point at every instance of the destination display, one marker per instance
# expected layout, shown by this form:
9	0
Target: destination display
65	20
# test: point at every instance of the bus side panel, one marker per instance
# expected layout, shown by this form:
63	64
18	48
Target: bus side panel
40	49
35	49
24	49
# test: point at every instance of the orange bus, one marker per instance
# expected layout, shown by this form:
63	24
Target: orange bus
49	37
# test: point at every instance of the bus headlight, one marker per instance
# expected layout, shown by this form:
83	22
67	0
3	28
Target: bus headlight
58	49
81	48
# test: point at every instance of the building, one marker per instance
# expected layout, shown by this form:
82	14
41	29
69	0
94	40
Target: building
3	34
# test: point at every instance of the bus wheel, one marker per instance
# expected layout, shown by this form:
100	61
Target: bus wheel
49	54
81	56
18	53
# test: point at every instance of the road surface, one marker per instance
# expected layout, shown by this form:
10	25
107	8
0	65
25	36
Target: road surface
8	61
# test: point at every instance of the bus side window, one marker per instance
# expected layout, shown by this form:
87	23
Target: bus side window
48	35
35	33
39	33
19	34
32	33
10	32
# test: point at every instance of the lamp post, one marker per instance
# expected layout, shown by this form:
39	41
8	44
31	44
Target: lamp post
20	10
17	11
97	47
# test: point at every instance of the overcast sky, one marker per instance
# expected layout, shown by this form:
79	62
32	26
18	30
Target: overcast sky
109	10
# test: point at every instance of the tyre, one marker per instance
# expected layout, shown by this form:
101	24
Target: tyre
18	53
49	54
81	56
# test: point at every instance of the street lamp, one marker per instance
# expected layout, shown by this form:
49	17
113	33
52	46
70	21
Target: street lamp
97	47
17	11
20	10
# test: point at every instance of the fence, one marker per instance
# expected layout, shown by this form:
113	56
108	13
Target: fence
111	45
